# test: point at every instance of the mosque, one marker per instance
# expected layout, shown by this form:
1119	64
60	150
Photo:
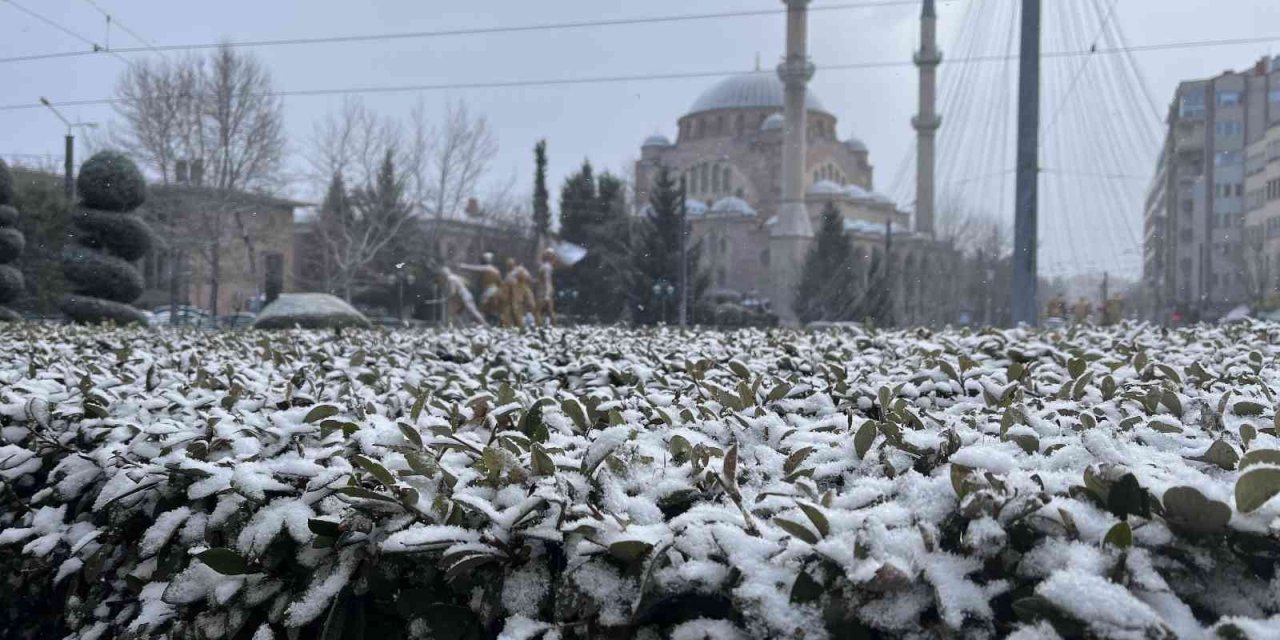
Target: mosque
756	188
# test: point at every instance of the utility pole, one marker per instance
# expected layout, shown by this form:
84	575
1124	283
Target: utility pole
69	180
683	305
1102	308
888	272
1025	305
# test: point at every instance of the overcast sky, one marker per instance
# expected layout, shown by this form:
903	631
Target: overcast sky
605	122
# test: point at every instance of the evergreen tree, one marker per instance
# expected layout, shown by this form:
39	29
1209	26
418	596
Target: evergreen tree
656	259
541	208
592	215
827	286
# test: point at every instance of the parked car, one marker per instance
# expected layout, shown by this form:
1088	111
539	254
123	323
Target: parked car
186	316
239	320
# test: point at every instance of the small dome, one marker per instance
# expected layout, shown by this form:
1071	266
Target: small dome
732	206
856	192
826	187
774	122
695	207
656	140
750	91
856	145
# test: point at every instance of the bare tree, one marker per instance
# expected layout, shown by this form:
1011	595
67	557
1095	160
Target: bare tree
221	118
457	158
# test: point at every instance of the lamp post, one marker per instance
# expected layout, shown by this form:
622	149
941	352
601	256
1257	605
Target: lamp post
68	186
398	280
663	290
567	298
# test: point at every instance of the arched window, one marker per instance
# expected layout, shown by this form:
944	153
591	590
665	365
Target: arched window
704	177
715	180
726	180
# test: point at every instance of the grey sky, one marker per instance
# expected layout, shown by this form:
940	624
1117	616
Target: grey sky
605	122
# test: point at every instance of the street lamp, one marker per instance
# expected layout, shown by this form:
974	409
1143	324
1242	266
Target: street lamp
398	280
663	290
69	154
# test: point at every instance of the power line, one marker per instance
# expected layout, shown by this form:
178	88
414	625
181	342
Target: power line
113	20
665	76
442	33
96	48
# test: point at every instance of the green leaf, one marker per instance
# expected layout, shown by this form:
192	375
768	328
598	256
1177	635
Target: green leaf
1076	367
320	412
794	460
796	529
730	468
418	406
1186	509
865	436
805	589
779	392
574	410
1260	456
1248	408
1222	454
421	465
224	561
1170	400
1127	498
630	551
410	434
818	519
740	369
531	424
1256	487
1120	536
959	474
1247	434
324	528
543	465
357	358
376	470
361	492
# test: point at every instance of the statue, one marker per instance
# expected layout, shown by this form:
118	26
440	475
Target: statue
493	292
546	303
1081	311
1057	307
458	298
1113	311
520	292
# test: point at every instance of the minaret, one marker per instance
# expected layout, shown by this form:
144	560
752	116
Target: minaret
927	120
791	235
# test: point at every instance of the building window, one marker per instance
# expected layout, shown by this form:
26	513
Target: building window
1228	98
726	180
715	180
1228	158
1228	128
1274	96
764	258
1192	105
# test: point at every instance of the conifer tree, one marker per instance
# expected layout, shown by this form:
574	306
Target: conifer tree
828	291
593	215
656	257
541	207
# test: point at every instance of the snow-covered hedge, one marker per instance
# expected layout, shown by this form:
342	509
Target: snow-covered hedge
609	483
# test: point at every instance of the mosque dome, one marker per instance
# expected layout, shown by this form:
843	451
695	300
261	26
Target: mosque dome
760	90
856	192
732	206
656	140
826	187
876	196
775	122
694	207
856	145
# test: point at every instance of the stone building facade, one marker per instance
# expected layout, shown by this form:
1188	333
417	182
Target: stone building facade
202	230
728	150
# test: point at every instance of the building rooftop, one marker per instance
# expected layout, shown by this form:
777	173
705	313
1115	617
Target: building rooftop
759	90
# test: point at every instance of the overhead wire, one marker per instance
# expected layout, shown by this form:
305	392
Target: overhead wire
96	48
495	30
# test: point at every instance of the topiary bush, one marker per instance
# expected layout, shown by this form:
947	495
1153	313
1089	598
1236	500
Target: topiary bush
112	182
11	245
108	238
